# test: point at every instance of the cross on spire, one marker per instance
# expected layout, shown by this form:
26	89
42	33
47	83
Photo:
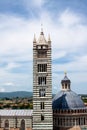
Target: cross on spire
65	73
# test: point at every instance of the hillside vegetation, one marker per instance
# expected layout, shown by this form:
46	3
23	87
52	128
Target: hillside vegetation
21	100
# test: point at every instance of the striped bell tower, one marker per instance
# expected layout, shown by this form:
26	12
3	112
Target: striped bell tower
42	84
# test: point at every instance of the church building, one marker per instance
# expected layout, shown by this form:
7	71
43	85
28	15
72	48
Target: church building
65	112
69	111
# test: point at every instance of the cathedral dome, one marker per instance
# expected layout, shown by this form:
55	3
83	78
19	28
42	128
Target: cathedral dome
66	98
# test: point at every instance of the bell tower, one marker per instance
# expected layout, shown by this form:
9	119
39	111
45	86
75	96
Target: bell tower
42	84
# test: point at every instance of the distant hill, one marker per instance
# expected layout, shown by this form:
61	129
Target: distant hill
21	94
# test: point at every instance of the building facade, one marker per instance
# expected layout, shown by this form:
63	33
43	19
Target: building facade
16	119
42	84
69	111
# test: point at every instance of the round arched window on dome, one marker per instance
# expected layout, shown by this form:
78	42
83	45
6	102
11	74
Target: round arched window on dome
66	86
62	86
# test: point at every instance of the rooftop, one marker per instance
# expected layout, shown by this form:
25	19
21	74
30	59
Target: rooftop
16	112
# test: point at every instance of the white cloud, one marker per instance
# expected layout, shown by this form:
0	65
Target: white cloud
12	65
14	35
79	65
2	89
38	3
58	54
73	38
68	35
34	4
9	84
68	18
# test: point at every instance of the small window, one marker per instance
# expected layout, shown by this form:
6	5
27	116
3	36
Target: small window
62	86
42	67
6	126
42	54
42	93
22	125
42	117
41	80
39	47
44	47
42	105
84	121
15	122
66	86
69	86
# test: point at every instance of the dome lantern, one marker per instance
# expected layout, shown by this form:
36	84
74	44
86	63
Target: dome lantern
65	83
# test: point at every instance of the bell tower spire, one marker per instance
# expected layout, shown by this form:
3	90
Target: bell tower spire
42	39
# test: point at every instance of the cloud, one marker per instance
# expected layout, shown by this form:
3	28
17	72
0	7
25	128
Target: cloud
68	18
12	65
72	34
14	35
2	89
58	54
68	37
36	3
33	8
23	8
9	84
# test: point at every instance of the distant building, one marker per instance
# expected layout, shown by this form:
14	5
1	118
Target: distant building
69	111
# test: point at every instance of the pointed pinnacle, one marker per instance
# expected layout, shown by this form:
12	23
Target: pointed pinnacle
34	38
49	38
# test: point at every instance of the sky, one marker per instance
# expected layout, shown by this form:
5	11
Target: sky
64	20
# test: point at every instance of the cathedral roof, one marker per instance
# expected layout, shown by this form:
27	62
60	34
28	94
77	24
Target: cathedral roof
16	112
67	100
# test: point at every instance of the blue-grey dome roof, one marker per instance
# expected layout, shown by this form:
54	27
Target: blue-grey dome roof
67	100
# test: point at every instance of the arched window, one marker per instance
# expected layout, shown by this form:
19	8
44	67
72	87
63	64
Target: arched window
22	125
6	125
84	120
65	86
